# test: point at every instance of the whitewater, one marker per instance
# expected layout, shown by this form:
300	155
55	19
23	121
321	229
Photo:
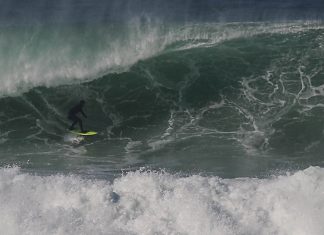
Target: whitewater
146	202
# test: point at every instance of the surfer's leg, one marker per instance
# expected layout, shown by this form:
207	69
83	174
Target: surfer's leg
74	120
81	125
72	126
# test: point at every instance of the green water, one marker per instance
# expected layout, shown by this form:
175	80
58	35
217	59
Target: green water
244	106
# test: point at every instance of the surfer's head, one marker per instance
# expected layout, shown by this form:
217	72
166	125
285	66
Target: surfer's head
82	102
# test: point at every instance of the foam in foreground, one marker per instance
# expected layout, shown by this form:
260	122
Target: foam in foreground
160	203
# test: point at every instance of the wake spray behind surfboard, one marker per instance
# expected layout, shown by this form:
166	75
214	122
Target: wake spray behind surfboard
73	138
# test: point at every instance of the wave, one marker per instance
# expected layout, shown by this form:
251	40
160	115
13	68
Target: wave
54	55
145	202
199	104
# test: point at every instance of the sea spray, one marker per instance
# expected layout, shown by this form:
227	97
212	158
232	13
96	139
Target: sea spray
55	55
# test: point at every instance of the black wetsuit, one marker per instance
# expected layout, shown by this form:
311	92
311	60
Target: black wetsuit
73	116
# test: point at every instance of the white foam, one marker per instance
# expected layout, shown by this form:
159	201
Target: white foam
160	203
73	138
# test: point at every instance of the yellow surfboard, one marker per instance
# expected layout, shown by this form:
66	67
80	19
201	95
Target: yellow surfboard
84	133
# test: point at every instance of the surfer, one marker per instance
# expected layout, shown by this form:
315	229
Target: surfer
73	115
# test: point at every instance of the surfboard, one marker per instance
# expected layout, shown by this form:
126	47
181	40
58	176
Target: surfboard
88	133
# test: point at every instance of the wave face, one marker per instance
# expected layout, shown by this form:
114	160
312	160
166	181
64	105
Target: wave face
226	99
160	203
209	91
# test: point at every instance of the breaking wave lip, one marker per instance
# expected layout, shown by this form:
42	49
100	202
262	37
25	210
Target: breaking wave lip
146	202
51	57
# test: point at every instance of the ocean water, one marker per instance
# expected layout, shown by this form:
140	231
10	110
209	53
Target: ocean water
209	117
